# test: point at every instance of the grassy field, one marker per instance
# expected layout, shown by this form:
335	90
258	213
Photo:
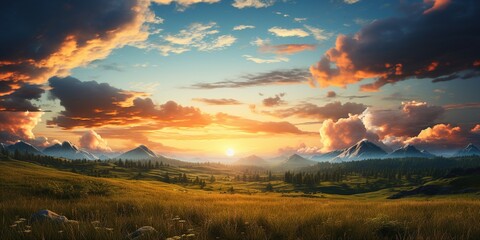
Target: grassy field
110	208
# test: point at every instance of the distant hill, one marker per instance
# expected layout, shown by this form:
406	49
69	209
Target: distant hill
457	181
139	153
363	149
23	147
409	151
470	150
326	156
252	160
68	150
295	161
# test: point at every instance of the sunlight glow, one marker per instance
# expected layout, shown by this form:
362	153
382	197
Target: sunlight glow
230	152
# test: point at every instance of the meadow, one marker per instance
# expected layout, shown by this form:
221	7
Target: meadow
111	208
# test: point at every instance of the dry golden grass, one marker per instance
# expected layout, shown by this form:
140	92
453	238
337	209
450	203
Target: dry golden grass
208	215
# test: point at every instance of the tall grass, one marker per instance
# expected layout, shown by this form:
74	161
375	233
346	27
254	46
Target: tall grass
175	211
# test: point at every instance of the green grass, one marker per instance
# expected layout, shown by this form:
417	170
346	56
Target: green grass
120	206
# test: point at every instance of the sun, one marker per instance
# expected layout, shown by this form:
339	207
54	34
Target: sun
230	152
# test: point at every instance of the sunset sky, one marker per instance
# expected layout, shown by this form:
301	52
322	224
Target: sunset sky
194	78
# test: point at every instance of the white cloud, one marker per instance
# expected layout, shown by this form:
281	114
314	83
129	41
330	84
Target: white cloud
318	33
277	59
283	32
243	27
219	43
299	19
252	3
183	4
203	37
351	1
260	42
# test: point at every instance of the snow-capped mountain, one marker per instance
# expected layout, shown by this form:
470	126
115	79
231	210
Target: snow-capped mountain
363	149
68	150
409	151
469	150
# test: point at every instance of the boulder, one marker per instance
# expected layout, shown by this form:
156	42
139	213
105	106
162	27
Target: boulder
49	216
145	231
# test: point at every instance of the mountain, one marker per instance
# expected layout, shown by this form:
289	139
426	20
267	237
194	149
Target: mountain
362	150
23	147
139	153
296	161
326	156
427	154
469	150
3	148
252	160
409	151
69	151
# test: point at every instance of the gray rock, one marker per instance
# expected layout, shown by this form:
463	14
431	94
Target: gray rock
47	215
141	232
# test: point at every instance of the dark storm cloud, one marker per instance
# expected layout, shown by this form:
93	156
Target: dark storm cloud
20	99
435	43
278	77
92	104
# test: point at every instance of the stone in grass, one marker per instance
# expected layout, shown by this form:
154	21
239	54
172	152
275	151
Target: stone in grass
145	231
49	216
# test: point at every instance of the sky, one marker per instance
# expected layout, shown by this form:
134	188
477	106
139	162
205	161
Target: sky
195	79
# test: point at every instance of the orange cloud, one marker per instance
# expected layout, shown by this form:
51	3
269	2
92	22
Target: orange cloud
18	125
476	129
342	133
384	50
441	136
437	5
286	48
92	141
222	101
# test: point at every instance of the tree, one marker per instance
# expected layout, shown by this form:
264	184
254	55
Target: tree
212	179
269	187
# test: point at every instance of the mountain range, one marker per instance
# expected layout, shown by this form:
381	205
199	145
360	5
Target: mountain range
138	153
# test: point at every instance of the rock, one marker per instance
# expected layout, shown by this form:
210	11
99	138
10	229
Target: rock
143	231
47	215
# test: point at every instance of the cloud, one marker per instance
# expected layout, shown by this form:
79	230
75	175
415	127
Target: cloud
274	101
260	42
240	4
476	129
18	125
243	27
286	48
92	141
99	105
343	133
299	20
301	148
20	99
283	32
407	121
335	111
351	1
462	105
318	33
184	4
253	126
276	59
440	136
414	46
200	36
222	101
437	5
331	94
276	77
91	104
52	38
